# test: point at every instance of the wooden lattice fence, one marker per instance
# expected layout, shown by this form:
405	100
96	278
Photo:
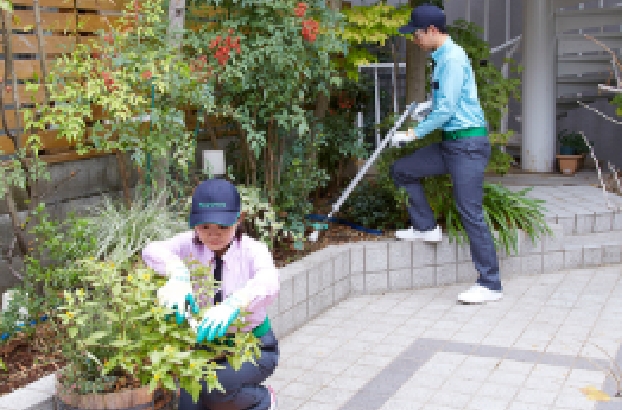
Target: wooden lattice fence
63	23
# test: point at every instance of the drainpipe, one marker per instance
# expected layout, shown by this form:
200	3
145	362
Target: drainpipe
539	86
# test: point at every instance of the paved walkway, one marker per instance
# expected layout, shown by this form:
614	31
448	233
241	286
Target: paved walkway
551	335
421	350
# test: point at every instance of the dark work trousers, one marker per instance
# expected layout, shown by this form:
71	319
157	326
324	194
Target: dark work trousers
465	160
243	387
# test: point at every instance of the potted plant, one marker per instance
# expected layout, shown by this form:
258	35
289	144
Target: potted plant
121	349
572	150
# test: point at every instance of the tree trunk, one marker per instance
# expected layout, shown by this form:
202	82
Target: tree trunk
415	68
176	14
415	73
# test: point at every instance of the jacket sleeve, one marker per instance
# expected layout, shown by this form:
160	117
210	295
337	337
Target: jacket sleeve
263	287
170	252
450	79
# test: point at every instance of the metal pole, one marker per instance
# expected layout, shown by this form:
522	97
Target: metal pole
486	18
377	104
468	10
538	87
508	21
359	118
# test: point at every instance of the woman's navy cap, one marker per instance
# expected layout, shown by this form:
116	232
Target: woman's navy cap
215	201
424	16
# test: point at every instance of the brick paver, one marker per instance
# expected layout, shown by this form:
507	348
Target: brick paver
550	336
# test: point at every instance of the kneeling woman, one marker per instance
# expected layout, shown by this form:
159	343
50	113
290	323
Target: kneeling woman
249	280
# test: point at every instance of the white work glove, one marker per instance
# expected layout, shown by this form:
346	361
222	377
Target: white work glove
401	137
217	319
422	110
177	292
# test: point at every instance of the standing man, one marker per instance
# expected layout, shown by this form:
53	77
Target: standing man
463	153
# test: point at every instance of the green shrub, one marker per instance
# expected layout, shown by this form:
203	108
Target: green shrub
114	333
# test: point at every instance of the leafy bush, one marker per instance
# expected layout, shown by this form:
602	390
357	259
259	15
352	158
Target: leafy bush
373	205
114	334
120	233
573	140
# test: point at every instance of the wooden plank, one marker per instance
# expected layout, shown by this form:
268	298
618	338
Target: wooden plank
100	4
53	44
71	156
94	22
206	11
6	145
25	96
46	3
49	20
25	69
50	140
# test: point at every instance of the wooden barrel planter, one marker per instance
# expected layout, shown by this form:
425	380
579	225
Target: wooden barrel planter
126	399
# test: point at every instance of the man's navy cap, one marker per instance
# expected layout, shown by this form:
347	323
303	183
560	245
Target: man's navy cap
215	201
424	16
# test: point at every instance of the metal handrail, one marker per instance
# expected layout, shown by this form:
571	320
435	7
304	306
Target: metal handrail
506	44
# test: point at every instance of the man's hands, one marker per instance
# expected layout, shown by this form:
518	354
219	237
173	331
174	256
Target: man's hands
217	319
177	292
401	137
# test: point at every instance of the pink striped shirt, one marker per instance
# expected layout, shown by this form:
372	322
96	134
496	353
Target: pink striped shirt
247	267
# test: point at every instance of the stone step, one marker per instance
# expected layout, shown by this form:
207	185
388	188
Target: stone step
323	279
588	18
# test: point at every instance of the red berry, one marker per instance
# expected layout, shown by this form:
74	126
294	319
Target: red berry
109	38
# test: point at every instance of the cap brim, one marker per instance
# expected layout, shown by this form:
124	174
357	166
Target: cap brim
407	29
224	218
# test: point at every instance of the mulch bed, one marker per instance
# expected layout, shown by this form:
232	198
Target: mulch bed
28	358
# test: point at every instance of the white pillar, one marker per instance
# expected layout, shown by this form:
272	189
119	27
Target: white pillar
539	86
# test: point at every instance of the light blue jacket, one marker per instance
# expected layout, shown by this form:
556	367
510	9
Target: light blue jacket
454	94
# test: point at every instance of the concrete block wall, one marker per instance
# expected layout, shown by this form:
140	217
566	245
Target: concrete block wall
93	177
323	279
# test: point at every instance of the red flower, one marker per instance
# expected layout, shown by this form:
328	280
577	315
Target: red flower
109	38
146	75
213	44
299	12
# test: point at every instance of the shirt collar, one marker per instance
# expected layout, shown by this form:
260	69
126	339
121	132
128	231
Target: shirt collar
442	49
230	253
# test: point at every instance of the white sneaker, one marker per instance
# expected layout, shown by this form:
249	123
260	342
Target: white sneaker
411	234
272	398
479	294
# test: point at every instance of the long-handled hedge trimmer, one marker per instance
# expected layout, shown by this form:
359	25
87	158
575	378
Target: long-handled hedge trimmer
415	109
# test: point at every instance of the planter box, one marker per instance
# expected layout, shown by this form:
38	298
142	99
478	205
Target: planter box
569	164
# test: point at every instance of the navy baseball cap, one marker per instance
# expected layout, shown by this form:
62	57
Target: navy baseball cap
215	201
423	17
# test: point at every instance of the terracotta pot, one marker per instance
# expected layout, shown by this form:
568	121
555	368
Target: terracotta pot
125	399
568	164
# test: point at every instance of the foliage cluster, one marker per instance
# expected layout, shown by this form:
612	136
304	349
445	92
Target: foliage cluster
115	332
573	141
